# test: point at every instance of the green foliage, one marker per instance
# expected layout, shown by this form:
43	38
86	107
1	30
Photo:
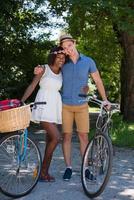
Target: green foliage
95	37
102	46
122	132
19	53
17	70
97	26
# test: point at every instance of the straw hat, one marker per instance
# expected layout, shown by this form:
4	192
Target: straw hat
65	37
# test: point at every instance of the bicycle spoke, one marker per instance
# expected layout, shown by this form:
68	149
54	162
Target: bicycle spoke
17	175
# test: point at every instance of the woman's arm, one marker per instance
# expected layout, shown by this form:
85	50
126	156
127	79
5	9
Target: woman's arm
31	87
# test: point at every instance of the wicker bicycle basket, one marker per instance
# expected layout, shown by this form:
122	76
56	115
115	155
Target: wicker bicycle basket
15	119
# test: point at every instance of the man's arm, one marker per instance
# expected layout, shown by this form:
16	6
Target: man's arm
99	84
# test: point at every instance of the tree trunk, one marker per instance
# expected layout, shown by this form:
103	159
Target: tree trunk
127	77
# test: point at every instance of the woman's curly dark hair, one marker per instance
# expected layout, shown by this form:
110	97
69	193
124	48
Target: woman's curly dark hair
53	53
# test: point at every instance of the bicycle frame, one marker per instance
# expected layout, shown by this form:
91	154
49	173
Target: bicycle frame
103	113
22	146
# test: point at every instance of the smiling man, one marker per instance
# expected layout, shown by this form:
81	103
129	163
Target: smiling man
75	80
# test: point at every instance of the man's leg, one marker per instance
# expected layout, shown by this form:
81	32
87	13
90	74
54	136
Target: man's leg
82	123
67	118
83	138
67	137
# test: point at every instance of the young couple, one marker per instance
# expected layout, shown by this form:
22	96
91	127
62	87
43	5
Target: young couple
67	70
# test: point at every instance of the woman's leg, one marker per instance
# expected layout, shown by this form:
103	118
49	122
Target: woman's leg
52	139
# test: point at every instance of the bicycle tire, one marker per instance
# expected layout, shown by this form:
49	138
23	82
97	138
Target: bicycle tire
17	181
93	160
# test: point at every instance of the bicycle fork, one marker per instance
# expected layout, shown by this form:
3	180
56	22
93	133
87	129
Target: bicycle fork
22	148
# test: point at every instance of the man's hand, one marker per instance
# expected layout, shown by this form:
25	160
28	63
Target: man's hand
38	69
107	104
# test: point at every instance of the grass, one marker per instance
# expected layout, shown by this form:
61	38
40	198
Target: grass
122	133
94	109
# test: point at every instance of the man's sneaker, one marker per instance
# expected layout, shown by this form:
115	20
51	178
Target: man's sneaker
67	175
87	173
92	177
101	172
89	176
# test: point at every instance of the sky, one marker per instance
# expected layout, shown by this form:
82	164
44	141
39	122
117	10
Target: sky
55	31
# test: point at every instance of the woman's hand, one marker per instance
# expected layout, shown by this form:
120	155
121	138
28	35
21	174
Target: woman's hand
85	89
38	69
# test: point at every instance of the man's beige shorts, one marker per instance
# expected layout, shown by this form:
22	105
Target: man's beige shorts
79	114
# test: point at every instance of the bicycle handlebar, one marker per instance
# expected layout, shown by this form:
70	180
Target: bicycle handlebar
100	103
103	110
34	104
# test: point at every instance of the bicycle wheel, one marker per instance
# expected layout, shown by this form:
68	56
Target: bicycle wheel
96	165
18	178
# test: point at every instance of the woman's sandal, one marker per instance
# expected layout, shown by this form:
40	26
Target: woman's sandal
47	178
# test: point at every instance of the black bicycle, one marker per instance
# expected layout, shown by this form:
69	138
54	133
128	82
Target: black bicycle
97	160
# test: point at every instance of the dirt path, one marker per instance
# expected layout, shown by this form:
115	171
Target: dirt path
120	186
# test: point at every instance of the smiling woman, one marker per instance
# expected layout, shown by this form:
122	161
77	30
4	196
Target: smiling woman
49	114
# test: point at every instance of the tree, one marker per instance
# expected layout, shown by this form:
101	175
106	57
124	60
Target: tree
18	52
120	16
